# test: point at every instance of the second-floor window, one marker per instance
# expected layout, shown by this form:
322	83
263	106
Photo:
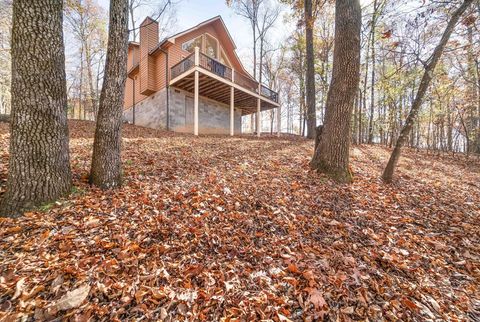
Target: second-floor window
192	43
208	45
211	46
223	58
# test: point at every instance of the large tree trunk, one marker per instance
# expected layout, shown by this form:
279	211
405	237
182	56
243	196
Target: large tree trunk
332	153
310	72
106	162
422	89
39	164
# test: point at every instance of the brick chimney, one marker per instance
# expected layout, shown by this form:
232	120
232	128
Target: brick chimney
148	41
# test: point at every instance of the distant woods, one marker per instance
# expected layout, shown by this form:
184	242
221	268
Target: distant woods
86	25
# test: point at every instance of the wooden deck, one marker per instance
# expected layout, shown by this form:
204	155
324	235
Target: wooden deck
216	80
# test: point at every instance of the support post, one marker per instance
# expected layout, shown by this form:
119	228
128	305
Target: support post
232	110
197	56
133	94
195	105
258	117
279	120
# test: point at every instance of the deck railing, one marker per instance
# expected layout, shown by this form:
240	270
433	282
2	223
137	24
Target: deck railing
246	82
268	93
216	67
182	66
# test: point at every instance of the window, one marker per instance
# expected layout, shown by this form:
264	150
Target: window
223	58
192	43
211	46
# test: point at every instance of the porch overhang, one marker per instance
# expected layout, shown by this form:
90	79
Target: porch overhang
218	88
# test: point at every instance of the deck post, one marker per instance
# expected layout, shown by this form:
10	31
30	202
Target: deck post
232	110
197	56
258	117
279	120
195	104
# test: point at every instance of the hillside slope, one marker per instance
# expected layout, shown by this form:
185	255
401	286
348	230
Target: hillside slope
214	227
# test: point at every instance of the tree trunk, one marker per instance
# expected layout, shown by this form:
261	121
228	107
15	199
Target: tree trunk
332	153
254	48
422	89
39	164
106	162
365	87
372	87
93	95
81	99
310	72
132	19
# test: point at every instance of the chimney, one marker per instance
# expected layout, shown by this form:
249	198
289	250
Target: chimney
148	41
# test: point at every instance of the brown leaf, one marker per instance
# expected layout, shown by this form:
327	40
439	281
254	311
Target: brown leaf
73	299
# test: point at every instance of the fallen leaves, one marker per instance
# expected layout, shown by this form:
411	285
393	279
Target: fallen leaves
73	299
217	228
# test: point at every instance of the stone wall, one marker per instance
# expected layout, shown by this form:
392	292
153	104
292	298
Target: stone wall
151	112
213	118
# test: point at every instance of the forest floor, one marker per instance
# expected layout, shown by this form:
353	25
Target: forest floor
235	229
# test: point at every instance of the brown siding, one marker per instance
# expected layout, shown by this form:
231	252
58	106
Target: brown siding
160	81
129	93
151	73
133	56
148	40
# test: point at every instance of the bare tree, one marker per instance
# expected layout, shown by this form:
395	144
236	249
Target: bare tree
249	9
163	11
39	164
267	17
5	60
331	156
422	89
310	72
86	20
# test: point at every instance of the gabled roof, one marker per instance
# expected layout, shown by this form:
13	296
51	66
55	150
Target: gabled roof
201	24
218	21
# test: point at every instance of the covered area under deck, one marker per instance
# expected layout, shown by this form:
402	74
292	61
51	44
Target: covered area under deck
206	77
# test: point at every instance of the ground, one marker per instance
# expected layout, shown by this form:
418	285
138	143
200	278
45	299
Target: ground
239	229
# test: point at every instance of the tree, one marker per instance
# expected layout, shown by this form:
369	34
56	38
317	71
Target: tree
5	60
87	22
267	16
162	11
422	89
310	72
332	154
105	170
39	164
249	9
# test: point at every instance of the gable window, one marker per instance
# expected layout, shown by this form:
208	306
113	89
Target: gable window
192	43
223	58
211	46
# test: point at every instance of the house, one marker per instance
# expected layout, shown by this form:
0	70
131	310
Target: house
191	82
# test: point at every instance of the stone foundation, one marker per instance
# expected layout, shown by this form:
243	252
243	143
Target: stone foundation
213	116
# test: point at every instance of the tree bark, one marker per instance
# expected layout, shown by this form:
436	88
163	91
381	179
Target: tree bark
422	89
93	94
310	72
106	162
332	154
372	87
39	164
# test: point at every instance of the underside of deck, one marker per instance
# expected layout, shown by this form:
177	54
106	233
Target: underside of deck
219	90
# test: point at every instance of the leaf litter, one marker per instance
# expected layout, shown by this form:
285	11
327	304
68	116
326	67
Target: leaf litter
239	229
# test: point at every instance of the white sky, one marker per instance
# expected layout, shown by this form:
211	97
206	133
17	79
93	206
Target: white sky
192	12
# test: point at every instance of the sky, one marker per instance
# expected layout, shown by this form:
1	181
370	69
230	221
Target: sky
191	12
